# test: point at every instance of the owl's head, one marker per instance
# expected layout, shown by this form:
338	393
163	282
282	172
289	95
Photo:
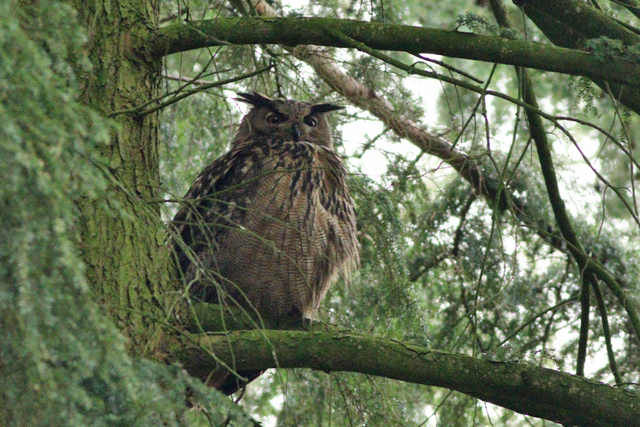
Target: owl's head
284	118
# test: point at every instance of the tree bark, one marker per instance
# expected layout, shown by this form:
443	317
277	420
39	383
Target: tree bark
122	237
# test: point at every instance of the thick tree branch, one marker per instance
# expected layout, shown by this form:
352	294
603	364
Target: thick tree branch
569	24
582	19
416	40
522	387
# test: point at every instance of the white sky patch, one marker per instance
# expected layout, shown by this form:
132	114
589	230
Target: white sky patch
375	161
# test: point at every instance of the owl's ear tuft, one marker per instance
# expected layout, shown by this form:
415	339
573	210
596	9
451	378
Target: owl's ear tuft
256	99
325	108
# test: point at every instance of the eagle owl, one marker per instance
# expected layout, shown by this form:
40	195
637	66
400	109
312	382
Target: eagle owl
270	225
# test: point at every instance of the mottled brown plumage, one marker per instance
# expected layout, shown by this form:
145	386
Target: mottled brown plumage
270	225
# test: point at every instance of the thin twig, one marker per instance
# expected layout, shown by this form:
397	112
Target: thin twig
539	135
137	110
585	306
448	67
535	317
173	16
193	81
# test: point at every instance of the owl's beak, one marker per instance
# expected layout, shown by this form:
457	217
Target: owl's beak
295	132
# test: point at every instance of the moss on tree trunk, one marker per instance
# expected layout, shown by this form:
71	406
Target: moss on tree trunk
122	236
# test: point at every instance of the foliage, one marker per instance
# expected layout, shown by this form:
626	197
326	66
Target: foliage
604	47
61	362
442	267
480	24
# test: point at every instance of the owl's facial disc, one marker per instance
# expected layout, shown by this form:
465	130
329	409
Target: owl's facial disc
295	127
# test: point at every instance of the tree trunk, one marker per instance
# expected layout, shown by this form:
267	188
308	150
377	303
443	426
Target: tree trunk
122	237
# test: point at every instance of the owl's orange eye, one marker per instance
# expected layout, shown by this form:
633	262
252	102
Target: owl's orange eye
274	119
311	121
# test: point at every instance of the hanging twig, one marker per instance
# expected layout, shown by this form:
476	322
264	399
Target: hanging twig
607	332
539	136
535	317
448	67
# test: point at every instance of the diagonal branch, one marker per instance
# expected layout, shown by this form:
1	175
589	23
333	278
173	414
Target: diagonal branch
181	94
539	135
632	5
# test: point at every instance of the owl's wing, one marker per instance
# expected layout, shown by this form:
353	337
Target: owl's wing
207	210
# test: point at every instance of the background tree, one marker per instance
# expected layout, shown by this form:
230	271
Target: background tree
500	221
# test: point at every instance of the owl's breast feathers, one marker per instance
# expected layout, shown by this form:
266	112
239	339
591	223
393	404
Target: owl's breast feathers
270	224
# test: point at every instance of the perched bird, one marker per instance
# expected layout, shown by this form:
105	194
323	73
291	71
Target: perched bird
270	225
